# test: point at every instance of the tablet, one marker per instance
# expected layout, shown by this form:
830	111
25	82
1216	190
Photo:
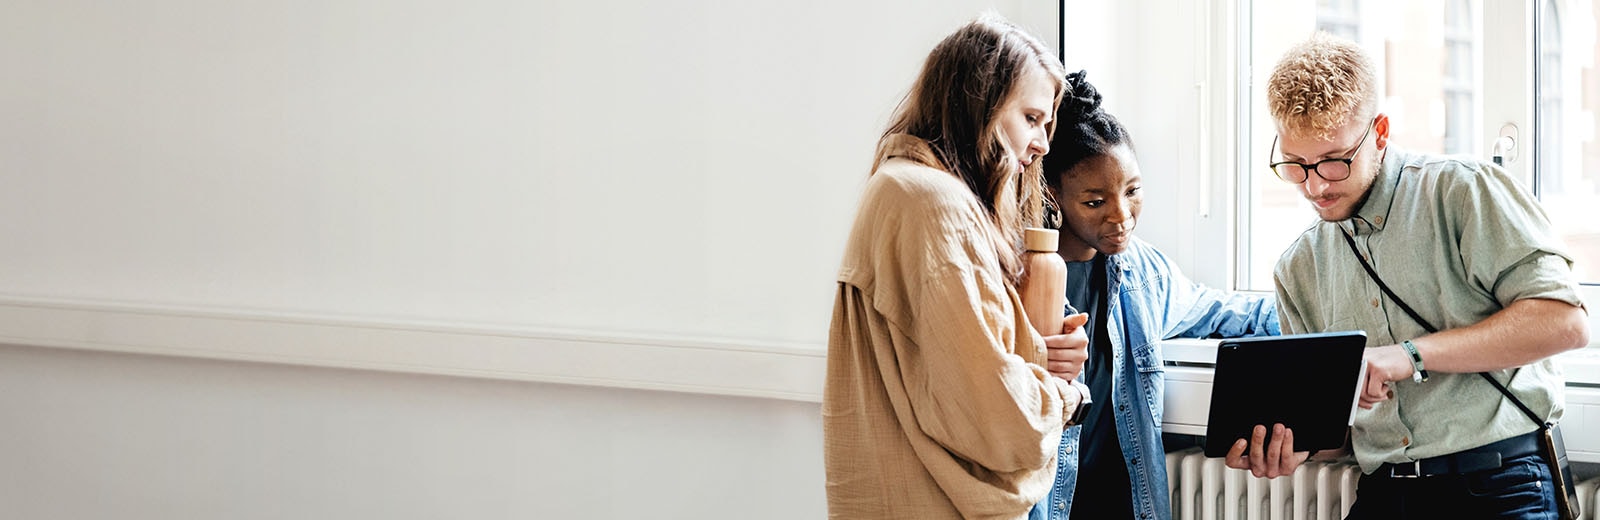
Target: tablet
1309	382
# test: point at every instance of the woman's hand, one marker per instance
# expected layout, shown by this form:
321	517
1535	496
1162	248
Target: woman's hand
1068	351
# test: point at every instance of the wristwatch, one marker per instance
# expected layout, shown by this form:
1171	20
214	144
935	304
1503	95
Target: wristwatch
1084	400
1418	374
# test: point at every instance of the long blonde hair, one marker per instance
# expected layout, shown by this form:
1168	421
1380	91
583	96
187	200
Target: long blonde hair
952	106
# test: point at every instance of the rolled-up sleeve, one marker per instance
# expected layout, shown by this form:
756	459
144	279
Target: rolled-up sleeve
1507	243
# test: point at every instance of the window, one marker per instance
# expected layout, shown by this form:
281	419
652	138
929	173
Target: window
1432	60
1567	170
1423	99
1460	116
1548	91
1341	17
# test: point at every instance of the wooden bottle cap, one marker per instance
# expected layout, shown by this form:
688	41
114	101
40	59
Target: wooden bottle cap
1043	240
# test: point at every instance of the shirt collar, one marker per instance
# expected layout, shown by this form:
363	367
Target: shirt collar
1374	214
1118	261
909	147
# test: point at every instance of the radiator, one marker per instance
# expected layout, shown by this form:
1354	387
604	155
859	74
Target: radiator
1587	498
1206	489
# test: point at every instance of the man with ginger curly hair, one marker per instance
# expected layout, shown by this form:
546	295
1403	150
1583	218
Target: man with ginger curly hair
1469	250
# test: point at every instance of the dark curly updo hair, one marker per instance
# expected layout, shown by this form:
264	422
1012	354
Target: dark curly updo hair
1083	130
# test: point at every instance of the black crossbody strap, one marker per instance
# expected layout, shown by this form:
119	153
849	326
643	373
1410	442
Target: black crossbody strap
1374	274
1430	328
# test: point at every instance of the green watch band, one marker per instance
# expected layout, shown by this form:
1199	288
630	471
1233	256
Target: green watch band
1418	374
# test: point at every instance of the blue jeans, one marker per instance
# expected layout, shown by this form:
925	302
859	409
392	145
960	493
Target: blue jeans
1520	488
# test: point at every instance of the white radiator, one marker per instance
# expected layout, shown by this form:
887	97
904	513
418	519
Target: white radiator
1206	489
1589	499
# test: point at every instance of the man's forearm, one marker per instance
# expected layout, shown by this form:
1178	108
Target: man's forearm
1524	332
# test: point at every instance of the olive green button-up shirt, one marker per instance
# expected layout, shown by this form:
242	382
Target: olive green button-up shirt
1458	240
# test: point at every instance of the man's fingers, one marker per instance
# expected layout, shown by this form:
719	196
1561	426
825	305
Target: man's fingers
1275	456
1375	392
1263	459
1289	454
1288	459
1235	458
1258	438
1296	458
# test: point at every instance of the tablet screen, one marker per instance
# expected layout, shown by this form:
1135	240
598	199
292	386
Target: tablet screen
1308	382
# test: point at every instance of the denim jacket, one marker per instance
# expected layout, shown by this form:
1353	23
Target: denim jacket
1152	301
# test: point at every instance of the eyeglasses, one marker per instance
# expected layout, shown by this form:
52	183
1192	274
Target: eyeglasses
1331	170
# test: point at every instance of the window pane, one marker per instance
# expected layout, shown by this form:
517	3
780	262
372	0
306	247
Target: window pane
1568	163
1339	17
1429	79
1460	121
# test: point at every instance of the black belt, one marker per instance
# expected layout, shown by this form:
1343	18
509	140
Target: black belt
1488	456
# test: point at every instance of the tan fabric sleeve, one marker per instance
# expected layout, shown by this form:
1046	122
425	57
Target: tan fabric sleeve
968	389
968	392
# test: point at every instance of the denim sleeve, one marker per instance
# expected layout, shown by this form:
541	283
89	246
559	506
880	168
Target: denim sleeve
1193	310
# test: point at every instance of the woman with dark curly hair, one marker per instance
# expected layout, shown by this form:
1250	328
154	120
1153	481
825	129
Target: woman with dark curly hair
1135	297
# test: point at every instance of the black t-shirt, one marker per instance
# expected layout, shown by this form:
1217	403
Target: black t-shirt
1103	489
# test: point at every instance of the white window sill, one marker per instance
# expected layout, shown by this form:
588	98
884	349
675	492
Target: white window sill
1188	393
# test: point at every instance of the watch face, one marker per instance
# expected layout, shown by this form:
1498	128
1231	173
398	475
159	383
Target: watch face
1085	400
1081	412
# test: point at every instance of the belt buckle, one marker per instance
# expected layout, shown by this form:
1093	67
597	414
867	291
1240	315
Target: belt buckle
1416	468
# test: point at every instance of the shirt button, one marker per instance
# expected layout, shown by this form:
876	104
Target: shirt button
1061	506
1405	441
1374	302
1379	220
1136	461
1069	448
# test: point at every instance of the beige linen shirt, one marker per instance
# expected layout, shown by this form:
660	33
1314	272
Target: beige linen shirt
1457	239
936	404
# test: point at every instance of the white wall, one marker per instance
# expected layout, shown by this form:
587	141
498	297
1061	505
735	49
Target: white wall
676	168
96	435
621	194
676	174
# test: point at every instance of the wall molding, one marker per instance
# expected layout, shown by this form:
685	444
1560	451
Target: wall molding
677	364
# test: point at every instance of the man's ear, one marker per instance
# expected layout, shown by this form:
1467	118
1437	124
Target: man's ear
1380	126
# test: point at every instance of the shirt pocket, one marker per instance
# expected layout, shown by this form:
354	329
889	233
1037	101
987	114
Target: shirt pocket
1149	368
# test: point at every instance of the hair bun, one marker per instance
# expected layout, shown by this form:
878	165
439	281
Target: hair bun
1081	98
